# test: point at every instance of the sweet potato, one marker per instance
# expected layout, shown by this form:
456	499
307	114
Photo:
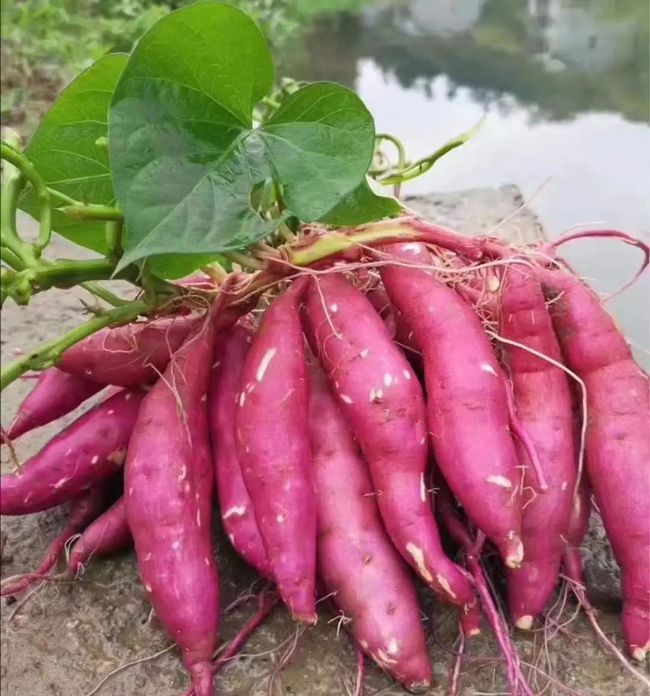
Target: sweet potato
237	514
55	394
543	402
468	414
575	533
357	562
617	439
128	355
273	444
108	534
87	452
383	401
168	492
82	511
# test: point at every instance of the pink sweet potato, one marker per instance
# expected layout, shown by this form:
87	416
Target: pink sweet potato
468	413
273	443
575	533
108	534
237	512
128	355
617	441
544	407
383	401
83	510
168	492
87	452
356	560
55	394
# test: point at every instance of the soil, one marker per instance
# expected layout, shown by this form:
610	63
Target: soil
67	638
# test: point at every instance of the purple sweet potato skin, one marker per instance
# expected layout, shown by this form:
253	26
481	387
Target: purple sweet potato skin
576	532
544	407
88	451
108	534
383	401
356	560
617	440
128	355
273	444
237	514
467	407
169	487
55	394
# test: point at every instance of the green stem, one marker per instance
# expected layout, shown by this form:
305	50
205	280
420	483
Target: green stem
50	353
244	260
11	259
401	152
28	170
91	211
104	294
114	231
65	274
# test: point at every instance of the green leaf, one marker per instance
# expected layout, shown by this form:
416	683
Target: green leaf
186	155
174	266
361	206
66	153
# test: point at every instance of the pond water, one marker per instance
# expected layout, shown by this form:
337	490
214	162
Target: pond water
563	87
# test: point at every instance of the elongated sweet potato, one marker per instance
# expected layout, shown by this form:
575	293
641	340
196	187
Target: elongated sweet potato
237	512
356	560
467	407
128	355
383	401
273	443
82	511
108	534
55	394
87	452
617	441
543	401
168	492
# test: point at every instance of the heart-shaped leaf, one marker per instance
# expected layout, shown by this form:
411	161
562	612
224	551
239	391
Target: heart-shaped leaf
361	206
186	155
68	152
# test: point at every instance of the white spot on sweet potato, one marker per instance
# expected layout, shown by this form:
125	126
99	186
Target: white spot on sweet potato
334	308
131	490
345	398
110	411
364	353
264	363
363	644
127	396
206	560
280	519
198	518
231	537
182	473
384	659
564	485
376	394
499	480
388	379
525	623
237	510
61	482
242	398
147	556
444	583
411	247
204	398
95	459
407	374
418	558
393	646
68	452
423	489
486	367
176	545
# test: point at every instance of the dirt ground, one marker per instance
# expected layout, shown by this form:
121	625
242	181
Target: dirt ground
67	638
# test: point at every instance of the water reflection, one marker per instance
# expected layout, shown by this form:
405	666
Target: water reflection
564	88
